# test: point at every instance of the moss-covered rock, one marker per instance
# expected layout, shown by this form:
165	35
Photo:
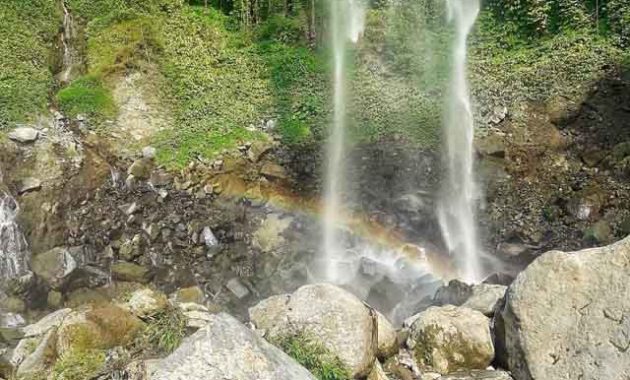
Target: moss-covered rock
124	271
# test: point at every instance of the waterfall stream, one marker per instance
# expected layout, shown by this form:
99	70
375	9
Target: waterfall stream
14	252
457	208
347	22
68	34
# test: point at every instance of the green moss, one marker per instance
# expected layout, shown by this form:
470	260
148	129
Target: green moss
89	96
314	357
78	365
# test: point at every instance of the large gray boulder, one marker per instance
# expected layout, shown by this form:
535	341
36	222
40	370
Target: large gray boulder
567	316
337	319
226	349
451	338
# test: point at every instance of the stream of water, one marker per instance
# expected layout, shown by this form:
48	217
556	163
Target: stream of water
14	252
457	208
347	22
69	54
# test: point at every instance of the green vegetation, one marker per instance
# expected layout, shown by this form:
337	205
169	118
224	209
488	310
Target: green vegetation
78	365
164	332
88	96
314	357
28	31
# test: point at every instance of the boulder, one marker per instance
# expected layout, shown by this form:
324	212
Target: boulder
54	266
24	134
387	337
37	360
337	319
485	297
477	375
226	349
51	321
455	293
567	316
451	338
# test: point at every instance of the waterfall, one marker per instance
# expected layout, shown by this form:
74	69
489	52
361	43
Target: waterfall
14	253
347	21
457	207
69	54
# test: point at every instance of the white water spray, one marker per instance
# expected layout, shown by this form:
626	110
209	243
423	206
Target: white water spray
457	208
347	21
69	54
14	253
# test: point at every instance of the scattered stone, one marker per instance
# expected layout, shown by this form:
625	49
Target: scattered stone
340	321
224	348
29	184
237	288
146	303
566	316
485	297
273	171
24	134
450	338
124	271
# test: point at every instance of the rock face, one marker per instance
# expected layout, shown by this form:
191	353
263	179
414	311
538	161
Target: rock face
340	321
567	316
225	349
450	338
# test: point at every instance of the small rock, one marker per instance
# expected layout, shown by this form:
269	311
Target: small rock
149	152
485	297
24	134
237	288
141	169
377	372
193	294
124	271
146	303
208	237
29	184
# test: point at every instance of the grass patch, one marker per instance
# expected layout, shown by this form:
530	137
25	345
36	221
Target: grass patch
78	365
314	357
88	96
28	31
164	332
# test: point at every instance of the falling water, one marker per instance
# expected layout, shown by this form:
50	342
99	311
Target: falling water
69	54
347	21
14	253
457	209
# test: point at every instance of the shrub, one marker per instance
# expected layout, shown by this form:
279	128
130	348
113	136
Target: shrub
164	332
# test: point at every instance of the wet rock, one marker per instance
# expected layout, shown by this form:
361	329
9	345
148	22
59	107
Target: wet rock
24	134
485	297
29	184
269	236
579	302
237	288
337	319
124	271
145	303
141	169
225	348
455	293
273	171
451	338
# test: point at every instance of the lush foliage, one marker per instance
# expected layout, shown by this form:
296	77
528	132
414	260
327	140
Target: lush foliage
314	357
28	30
88	96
